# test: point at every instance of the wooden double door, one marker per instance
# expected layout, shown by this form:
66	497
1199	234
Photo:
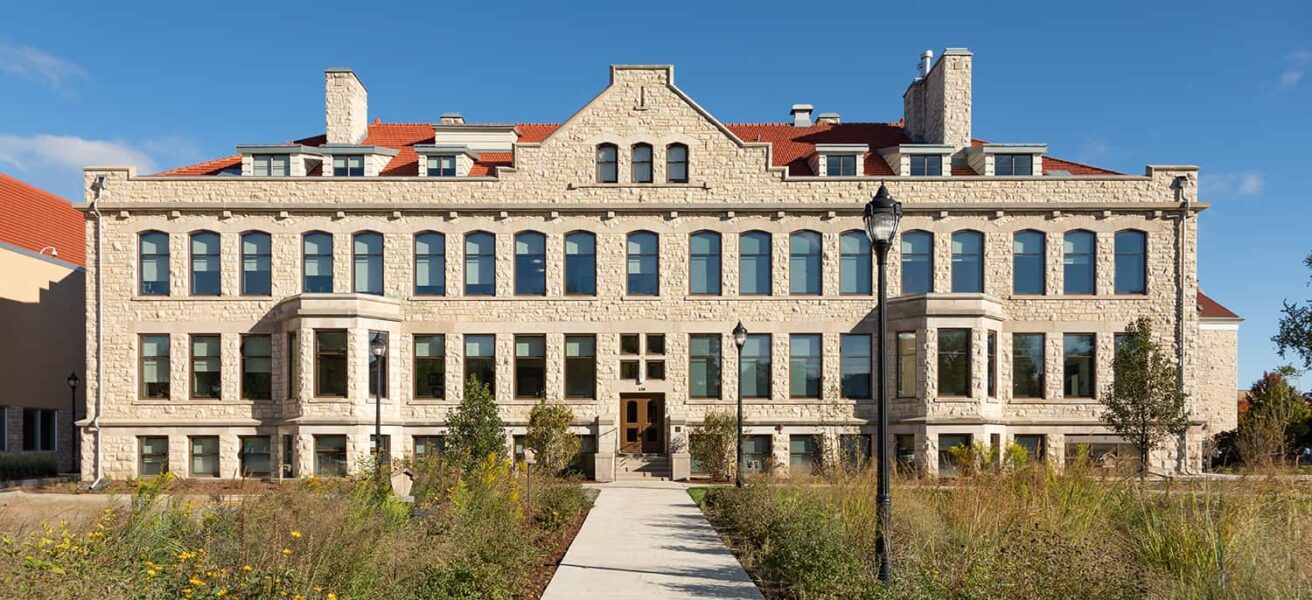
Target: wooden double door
642	424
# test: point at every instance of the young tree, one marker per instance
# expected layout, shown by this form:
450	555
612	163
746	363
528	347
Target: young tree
475	429
1295	333
1276	415
712	445
1145	402
549	437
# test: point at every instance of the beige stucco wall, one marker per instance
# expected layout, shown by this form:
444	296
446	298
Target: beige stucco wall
42	320
732	190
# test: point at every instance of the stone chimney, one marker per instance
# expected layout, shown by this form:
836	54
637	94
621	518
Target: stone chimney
936	106
801	115
346	107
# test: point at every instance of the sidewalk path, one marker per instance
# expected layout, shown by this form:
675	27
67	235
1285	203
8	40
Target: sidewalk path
648	540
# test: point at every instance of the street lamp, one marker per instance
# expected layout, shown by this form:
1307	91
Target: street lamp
881	217
378	347
72	416
740	339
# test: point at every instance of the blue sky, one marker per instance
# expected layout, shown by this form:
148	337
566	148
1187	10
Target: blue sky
1120	84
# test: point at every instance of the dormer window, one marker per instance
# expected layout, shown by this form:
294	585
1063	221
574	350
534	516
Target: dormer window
926	165
607	163
840	165
642	163
271	165
442	166
1013	164
348	166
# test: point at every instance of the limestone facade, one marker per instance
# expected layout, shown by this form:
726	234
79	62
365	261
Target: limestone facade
733	187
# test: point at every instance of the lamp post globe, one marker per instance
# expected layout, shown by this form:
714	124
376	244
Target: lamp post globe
882	216
739	340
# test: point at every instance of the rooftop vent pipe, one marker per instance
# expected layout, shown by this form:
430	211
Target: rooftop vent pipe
801	115
926	62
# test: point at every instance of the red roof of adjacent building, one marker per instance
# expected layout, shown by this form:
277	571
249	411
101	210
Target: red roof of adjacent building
34	219
1211	309
791	147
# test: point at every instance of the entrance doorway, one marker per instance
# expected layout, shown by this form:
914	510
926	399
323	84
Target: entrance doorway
642	424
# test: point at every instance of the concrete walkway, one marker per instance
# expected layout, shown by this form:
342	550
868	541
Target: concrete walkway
648	540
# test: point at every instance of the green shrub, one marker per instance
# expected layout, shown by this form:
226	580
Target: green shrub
712	445
475	428
549	436
24	465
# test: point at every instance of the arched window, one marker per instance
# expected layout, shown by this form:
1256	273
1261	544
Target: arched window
367	261
854	263
430	264
968	262
607	163
704	263
642	163
1028	272
205	264
581	264
643	264
317	262
917	262
153	263
530	264
676	163
1131	262
754	264
804	263
480	264
256	263
1079	269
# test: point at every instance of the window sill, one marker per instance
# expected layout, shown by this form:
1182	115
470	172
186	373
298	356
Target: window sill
194	401
1055	400
582	186
1068	297
502	298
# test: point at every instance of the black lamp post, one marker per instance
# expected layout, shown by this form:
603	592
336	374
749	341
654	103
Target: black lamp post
882	215
378	347
739	339
72	417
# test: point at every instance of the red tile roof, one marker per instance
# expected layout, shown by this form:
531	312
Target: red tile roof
32	219
1211	309
792	147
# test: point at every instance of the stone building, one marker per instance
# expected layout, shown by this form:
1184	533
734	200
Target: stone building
603	261
42	250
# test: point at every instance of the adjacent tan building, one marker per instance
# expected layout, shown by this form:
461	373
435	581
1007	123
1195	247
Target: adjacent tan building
603	261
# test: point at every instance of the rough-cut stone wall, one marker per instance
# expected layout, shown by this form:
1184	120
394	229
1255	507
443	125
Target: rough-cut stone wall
346	107
551	191
1218	375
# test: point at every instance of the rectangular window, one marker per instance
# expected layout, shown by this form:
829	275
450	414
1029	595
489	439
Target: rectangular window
153	456
946	442
904	450
1077	358
39	433
992	375
1027	365
430	264
271	165
329	455
205	273
205	456
756	453
256	264
154	367
704	263
926	165
954	362
629	343
803	454
348	166
804	263
385	452
704	365
840	165
429	445
430	366
906	364
755	375
330	363
153	267
1033	445
580	366
256	456
656	343
257	367
206	367
379	383
804	365
629	370
643	264
656	370
530	366
1013	165
442	166
854	358
754	264
293	359
581	264
854	450
1029	274
481	360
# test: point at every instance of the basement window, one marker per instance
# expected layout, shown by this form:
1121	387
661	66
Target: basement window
1013	164
840	165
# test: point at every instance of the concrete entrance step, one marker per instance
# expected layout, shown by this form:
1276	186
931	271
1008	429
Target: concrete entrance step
642	466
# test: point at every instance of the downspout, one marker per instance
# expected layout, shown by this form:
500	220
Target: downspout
1183	185
97	185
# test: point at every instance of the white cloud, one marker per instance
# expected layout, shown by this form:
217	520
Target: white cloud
31	63
55	162
1242	184
1092	149
1299	62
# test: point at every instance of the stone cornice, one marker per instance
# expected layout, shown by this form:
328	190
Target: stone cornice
700	208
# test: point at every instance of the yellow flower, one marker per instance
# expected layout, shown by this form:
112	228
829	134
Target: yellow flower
151	572
298	597
286	551
221	593
332	596
296	534
196	581
246	568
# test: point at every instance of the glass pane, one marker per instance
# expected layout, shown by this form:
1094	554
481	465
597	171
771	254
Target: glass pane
854	268
1131	276
530	346
1027	365
655	343
1029	258
530	264
917	262
804	366
804	263
954	362
855	366
1078	262
580	345
480	345
1078	349
967	262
